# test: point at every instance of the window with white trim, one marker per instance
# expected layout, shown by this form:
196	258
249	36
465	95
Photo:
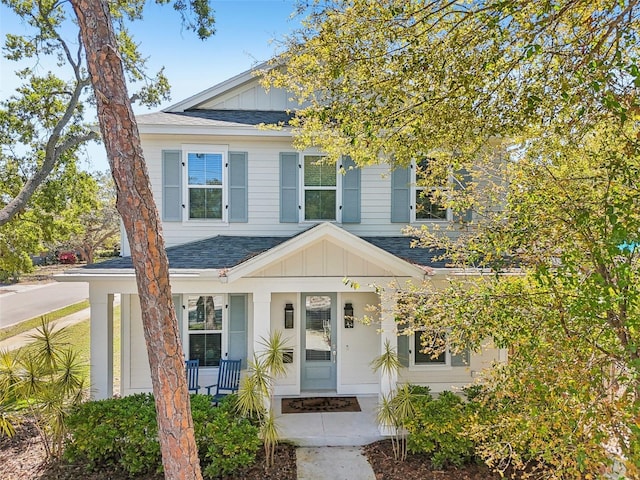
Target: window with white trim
320	189
427	198
206	184
423	347
422	357
205	317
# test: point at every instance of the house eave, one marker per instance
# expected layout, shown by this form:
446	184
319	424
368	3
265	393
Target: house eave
230	131
198	99
79	275
473	272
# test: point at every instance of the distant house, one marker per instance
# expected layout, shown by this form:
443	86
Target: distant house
260	238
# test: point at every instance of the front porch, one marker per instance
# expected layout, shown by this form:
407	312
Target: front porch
330	429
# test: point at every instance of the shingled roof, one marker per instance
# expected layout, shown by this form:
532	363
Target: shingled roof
216	118
224	251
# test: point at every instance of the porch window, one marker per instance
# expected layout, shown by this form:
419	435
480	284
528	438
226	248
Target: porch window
427	205
422	358
320	189
205	183
205	329
446	358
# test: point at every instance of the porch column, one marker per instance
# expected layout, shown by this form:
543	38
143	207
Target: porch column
388	333
261	326
261	319
101	374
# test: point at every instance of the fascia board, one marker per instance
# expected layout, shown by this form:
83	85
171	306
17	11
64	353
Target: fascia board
474	272
216	90
127	274
250	131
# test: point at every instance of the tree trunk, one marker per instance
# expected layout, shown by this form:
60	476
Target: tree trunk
144	231
87	253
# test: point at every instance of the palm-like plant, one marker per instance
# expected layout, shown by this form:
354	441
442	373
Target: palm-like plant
8	407
45	379
255	396
398	407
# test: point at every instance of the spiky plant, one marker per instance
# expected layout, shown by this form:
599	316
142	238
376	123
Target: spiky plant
253	390
387	363
270	436
255	397
386	415
45	380
398	407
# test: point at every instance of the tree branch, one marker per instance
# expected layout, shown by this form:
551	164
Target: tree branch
53	151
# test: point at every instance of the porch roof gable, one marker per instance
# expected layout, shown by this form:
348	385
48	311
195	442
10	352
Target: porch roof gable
239	256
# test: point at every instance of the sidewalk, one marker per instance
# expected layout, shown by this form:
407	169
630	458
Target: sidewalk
24	338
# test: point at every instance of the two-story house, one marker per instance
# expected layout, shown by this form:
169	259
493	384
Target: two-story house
261	237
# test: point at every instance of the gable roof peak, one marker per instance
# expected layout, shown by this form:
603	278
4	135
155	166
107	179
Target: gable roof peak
199	98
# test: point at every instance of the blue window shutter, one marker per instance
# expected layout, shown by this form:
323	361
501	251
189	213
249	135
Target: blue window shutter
238	328
289	199
171	186
461	360
400	195
462	178
238	191
177	306
403	350
350	191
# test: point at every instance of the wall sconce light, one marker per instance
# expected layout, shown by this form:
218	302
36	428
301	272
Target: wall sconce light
288	315
348	315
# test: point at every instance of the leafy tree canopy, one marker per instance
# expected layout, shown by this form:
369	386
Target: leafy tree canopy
410	78
44	123
49	118
539	102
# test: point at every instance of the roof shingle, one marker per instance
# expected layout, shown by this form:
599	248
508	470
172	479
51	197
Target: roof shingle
224	251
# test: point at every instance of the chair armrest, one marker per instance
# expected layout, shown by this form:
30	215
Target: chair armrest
209	387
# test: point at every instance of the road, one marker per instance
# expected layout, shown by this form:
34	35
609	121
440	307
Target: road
20	302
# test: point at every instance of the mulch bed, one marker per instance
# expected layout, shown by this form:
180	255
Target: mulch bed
22	456
417	467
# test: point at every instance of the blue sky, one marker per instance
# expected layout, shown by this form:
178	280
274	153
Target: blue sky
245	34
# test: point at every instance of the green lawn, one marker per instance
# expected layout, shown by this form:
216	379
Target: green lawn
35	322
79	337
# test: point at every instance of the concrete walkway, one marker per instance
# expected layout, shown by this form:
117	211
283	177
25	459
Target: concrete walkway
333	463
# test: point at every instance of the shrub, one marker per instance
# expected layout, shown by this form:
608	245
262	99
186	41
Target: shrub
543	430
69	258
438	429
122	433
227	443
117	432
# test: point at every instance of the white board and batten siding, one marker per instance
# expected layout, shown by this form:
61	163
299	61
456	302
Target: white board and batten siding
251	96
449	378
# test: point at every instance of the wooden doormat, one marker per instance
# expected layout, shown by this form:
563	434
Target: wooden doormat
320	405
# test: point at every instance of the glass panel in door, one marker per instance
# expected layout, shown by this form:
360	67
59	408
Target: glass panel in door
319	360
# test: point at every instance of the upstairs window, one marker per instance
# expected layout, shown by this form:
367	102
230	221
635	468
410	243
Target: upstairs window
428	202
205	185
320	184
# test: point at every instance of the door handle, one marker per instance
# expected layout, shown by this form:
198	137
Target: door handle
333	356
